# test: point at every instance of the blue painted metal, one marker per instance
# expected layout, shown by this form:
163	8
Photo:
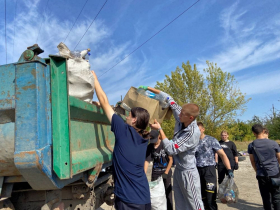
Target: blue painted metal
33	139
26	141
7	119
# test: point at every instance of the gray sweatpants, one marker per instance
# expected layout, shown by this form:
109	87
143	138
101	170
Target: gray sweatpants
187	193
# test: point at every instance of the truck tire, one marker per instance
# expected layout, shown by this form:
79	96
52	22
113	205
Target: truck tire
110	196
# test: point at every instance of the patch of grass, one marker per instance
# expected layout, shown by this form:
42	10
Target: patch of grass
243	145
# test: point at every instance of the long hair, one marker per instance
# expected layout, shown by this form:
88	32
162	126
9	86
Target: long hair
142	121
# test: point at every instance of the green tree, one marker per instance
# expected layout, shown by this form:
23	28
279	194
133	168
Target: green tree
272	123
215	91
241	131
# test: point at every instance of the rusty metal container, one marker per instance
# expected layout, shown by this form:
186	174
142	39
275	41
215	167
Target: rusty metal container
48	138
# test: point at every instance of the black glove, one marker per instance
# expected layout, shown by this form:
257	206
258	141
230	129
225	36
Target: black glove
164	176
216	166
236	166
230	173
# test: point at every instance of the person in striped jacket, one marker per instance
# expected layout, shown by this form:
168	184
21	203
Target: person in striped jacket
186	181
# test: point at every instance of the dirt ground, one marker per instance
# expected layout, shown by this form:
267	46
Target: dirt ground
249	196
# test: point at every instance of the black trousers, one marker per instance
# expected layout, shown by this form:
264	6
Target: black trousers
222	172
168	190
121	205
270	194
208	181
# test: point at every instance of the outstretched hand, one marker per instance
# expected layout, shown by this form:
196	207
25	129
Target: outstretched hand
155	125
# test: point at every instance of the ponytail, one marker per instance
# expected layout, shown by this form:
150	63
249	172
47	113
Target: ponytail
142	121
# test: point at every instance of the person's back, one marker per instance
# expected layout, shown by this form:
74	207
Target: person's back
265	152
131	183
131	139
267	149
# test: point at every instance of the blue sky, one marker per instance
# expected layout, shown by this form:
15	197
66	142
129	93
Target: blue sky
242	37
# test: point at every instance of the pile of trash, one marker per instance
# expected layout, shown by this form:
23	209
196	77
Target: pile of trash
81	81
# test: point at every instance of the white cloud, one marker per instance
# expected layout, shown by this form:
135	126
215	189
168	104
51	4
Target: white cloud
247	54
260	84
54	31
244	45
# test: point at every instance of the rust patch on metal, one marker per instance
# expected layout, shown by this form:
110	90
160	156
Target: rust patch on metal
22	154
29	87
36	162
97	170
107	142
3	161
33	72
6	101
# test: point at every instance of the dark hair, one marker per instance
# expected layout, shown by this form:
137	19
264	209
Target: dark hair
257	129
265	130
200	124
142	120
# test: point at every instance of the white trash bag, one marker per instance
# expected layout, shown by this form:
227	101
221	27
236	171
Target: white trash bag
81	81
157	191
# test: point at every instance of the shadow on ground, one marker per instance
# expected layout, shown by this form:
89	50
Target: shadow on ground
240	205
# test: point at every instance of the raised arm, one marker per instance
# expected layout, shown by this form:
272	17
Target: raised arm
103	100
176	109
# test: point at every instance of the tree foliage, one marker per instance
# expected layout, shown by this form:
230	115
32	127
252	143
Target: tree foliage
215	91
272	123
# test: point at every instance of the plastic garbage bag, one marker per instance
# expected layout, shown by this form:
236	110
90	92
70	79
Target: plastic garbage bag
80	78
157	191
228	191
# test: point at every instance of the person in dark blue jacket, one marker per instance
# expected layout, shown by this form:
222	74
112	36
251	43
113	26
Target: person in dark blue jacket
131	141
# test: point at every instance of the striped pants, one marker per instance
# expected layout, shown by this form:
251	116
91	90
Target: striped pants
187	193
